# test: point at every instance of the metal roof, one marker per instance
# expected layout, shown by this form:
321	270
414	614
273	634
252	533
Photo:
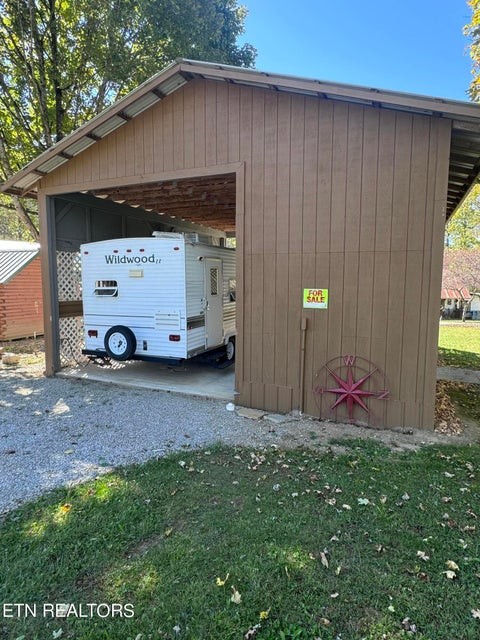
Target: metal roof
14	256
465	116
456	294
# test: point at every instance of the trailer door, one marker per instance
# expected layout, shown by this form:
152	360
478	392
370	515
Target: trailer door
214	302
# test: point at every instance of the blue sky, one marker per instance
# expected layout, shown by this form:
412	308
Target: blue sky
415	46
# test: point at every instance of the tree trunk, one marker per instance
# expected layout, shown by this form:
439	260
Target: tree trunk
26	218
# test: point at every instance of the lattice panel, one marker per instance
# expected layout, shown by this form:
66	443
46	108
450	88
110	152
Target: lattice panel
69	276
71	341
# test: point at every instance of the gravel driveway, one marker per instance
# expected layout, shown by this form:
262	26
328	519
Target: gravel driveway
56	431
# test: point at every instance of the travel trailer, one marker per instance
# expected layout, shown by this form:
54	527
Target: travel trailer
171	296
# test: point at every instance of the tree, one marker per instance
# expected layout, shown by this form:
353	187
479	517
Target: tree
463	228
472	29
12	226
461	268
64	61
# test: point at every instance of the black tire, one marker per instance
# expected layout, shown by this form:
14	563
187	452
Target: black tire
230	350
120	343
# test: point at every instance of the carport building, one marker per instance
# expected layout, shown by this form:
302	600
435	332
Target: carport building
337	196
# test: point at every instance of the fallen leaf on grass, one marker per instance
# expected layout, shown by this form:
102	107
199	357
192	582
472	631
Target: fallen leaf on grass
252	632
452	565
323	559
363	501
448	475
334	595
451	575
423	555
65	508
476	614
236	597
168	532
220	583
409	626
264	614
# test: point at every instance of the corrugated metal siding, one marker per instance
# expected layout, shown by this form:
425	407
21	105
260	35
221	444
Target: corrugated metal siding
21	305
12	262
340	196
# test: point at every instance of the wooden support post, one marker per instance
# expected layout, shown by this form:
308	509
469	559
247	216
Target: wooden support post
49	284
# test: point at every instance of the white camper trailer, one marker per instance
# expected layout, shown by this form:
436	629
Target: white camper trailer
169	296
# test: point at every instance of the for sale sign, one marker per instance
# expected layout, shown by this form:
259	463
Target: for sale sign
315	298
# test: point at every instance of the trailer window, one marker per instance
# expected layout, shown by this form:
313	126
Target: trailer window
232	289
214	281
106	288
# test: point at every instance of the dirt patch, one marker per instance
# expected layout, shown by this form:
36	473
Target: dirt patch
28	346
333	437
142	547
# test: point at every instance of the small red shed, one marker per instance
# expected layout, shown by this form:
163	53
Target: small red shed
21	305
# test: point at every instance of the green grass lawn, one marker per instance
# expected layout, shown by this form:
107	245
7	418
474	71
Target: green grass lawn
308	545
459	346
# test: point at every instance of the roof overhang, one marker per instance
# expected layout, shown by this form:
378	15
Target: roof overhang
465	117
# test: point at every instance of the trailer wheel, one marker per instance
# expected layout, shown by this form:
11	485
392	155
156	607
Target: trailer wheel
120	343
230	349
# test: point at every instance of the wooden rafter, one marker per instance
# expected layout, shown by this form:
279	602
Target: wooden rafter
208	200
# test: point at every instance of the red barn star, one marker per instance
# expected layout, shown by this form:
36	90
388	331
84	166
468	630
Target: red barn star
349	390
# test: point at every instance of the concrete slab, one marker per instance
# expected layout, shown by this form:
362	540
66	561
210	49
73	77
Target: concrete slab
252	414
458	375
192	378
278	418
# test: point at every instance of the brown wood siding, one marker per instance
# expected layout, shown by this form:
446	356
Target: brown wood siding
336	195
21	306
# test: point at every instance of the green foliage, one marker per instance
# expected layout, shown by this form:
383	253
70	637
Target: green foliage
356	546
463	228
11	226
64	61
472	30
